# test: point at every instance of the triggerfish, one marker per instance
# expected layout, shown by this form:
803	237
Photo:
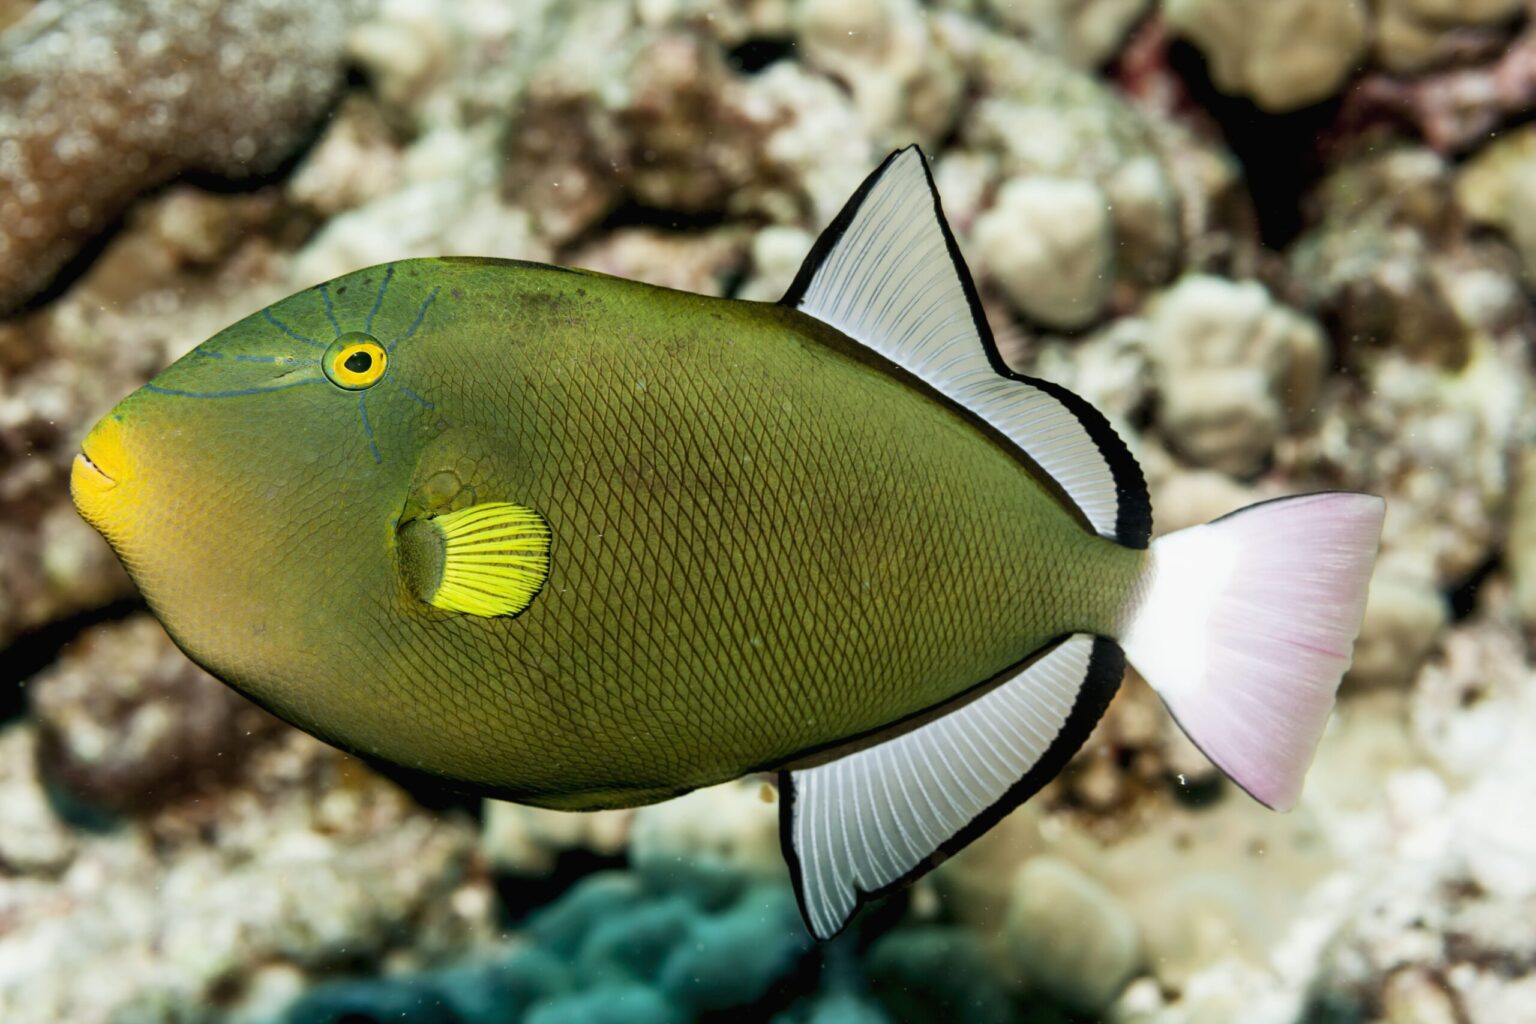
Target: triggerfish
579	542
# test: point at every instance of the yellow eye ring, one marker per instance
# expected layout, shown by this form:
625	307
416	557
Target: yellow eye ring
355	361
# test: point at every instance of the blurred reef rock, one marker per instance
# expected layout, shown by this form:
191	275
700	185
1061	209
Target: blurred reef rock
1115	171
1283	53
172	853
104	100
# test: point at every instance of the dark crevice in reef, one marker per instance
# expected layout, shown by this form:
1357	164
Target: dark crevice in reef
521	895
1279	153
356	80
758	53
254	181
732	281
1511	122
431	792
631	214
32	652
1463	598
73	269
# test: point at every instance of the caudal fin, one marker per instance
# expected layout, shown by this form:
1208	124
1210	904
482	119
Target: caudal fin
1247	625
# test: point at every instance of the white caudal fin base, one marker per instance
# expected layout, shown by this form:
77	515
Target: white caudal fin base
1248	624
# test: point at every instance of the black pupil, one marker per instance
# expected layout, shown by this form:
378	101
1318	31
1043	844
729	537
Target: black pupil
358	362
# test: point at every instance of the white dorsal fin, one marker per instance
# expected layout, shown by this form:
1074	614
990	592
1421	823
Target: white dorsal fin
888	274
867	822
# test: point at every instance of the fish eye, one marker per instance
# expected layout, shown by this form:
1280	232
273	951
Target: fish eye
355	361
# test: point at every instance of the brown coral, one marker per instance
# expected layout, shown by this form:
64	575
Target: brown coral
101	100
688	138
1455	109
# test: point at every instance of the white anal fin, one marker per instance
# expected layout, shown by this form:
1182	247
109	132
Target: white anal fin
888	274
873	820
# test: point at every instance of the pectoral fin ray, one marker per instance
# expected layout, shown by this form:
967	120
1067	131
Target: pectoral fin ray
488	559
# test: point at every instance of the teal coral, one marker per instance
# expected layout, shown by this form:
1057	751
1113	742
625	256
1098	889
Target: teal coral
938	973
647	946
736	957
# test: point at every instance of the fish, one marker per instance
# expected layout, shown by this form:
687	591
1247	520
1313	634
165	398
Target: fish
580	542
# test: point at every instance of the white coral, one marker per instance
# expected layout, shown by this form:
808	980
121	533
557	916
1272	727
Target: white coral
1234	367
1284	53
1049	243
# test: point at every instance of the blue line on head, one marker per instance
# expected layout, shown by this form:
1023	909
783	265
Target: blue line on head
415	397
362	408
378	300
330	312
420	314
242	358
284	360
296	336
237	393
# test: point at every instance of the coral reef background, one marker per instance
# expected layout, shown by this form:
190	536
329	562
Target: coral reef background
1283	244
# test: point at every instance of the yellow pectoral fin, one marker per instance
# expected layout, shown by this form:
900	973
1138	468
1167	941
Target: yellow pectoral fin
489	559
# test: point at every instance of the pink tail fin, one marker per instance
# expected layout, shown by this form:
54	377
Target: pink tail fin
1247	625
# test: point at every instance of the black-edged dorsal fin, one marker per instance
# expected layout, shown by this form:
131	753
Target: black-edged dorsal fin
888	274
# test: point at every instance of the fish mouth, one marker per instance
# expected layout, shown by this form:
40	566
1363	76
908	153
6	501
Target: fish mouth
85	466
103	462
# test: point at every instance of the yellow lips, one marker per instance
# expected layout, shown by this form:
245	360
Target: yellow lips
86	471
101	467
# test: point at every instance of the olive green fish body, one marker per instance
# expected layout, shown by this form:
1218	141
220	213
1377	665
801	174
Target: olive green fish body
582	542
748	520
765	542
